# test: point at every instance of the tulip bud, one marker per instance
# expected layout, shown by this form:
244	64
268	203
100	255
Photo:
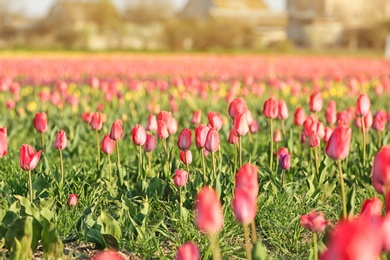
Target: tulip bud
172	127
316	102
284	162
186	156
73	199
270	108
61	140
209	217
381	169
363	105
328	133
240	125
188	251
233	139
139	135
277	136
28	157
244	206
254	127
196	117
201	132
282	110
379	121
116	132
331	113
162	131
165	116
237	107
180	178
215	120
212	141
185	140
150	143
152	123
86	117
247	179
338	144
314	222
282	151
107	145
40	122
3	141
96	122
299	116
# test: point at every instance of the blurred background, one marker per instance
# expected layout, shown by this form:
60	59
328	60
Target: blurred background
194	25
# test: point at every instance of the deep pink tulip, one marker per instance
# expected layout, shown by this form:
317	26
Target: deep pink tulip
254	127
186	156
162	131
240	125
247	179
3	141
209	217
73	199
116	132
379	121
61	140
28	157
371	207
270	108
150	143
180	178
139	135
188	251
232	139
284	162
314	222
172	127
282	151
201	132
96	121
299	116
40	122
313	140
237	107
331	113
185	139
108	145
282	110
212	141
316	102
196	117
152	123
215	120
339	142
363	105
381	170
244	206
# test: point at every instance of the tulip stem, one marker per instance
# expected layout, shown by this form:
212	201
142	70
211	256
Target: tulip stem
315	246
215	247
235	158
150	161
284	130
188	167
316	161
31	188
364	141
214	169
180	203
140	160
204	166
247	244
240	150
282	178
117	154
109	168
272	147
98	150
254	237
342	190
42	142
62	168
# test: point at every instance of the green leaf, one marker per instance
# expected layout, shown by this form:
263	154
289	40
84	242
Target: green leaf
259	252
51	243
94	236
109	226
30	209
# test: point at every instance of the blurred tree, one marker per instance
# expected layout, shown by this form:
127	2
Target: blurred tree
105	15
148	11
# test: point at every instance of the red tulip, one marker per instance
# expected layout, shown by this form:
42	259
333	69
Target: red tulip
244	206
40	122
152	123
212	141
338	144
188	251
185	139
381	170
371	207
299	116
150	143
73	199
196	117
316	102
284	162
116	132
314	222
201	132
162	131
96	122
363	105
237	107
247	179
254	127
108	145
172	127
233	139
186	156
277	136
209	217
61	140
282	109
240	125
270	108
139	135
331	113
215	120
3	141
108	255
180	178
380	120
28	157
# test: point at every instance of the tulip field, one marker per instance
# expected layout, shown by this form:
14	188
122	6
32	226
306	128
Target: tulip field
194	157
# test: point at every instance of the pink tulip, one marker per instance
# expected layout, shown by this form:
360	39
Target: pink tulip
162	131
371	207
237	107
277	136
185	139
314	222
282	110
379	121
208	211
152	123
232	139
381	170
116	132
40	122
73	199
212	141
247	179
331	113
240	125
96	122
363	105
3	141
244	206
188	251
328	132
139	135
215	120
172	127
270	108
254	127
108	255
61	140
180	178
186	156
108	145
28	157
339	142
150	143
196	117
165	116
316	102
299	116
201	132
284	162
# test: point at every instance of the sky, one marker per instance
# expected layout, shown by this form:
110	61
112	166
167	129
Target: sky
38	8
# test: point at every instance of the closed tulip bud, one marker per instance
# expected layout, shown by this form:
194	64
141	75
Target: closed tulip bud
284	162
313	140
282	151
303	137
150	143
282	110
249	117
247	179
233	139
116	132
139	135
240	125
165	116
328	133
363	105
338	144
310	125
381	169
28	157
180	178
331	113
40	122
186	156
3	141
277	136
316	102
73	199
208	211
162	131
320	129
314	222
185	139
86	117
172	127
215	120
107	145
379	121
96	122
188	251
368	121
299	116
244	206
61	140
201	132
196	117
342	118
237	107
212	141
254	127
270	108
152	123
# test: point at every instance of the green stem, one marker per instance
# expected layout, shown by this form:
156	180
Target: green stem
240	150
315	246
316	161
42	142
31	188
204	167
272	147
62	168
282	178
247	244
109	168
284	130
214	169
364	141
98	150
188	167
140	160
235	158
150	161
117	153
342	190
254	237
215	247
180	203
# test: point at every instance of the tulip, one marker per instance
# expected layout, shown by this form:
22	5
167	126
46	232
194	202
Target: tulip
201	132
60	144
107	147
149	145
116	134
237	107
162	130
86	117
316	102
232	139
254	127
40	124
139	138
73	199
185	140
172	127
328	132
3	141
152	123
381	174
28	161
215	120
379	124
240	128
277	136
282	113
188	251
196	117
337	149
186	157
331	113
371	207
108	255
212	145
363	105
165	116
316	223
270	110
209	217
180	178
96	124
299	116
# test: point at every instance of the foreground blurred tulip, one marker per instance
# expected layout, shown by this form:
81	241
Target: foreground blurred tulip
215	120
316	102
40	124
116	134
337	149
185	139
73	199
316	223
96	124
108	146
188	251
3	141
108	255
381	174
196	117
209	217
371	207
28	161
60	144
212	145
270	110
